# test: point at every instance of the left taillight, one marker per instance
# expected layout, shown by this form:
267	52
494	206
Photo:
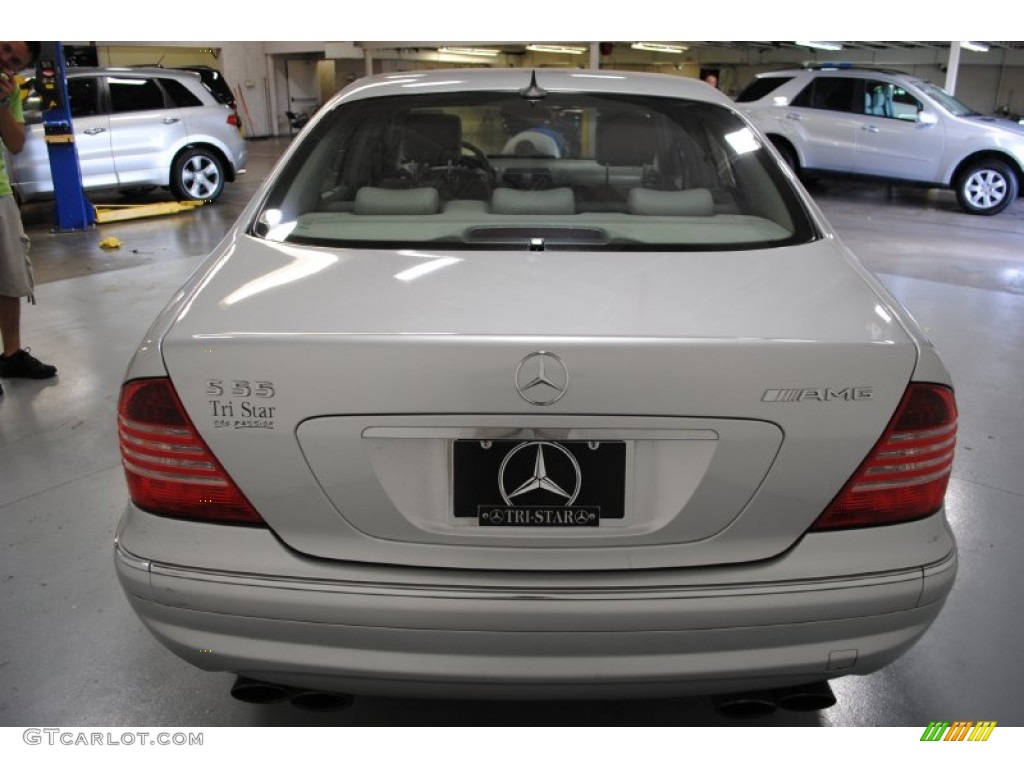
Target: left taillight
235	120
170	470
905	476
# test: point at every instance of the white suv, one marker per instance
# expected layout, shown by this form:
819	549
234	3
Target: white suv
889	125
138	128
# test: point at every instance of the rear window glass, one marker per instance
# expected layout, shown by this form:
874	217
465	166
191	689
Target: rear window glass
134	94
180	95
491	170
215	83
761	87
840	94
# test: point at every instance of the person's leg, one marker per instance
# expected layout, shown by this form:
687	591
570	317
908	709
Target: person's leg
15	277
10	324
15	284
15	361
18	363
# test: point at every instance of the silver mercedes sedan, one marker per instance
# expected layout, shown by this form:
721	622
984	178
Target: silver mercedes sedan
535	385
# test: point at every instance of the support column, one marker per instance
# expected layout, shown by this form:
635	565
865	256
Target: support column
73	210
368	61
271	90
952	67
595	55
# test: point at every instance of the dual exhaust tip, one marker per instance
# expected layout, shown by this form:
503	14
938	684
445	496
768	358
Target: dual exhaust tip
811	697
258	692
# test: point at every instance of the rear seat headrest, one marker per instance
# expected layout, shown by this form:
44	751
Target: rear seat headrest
558	201
375	201
687	202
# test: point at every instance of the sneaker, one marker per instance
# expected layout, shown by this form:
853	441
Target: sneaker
22	365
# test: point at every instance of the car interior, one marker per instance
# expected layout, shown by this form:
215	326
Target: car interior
619	173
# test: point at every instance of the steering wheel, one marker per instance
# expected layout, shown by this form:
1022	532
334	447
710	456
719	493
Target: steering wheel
471	176
476	160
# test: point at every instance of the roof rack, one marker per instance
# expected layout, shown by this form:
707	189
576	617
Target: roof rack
823	65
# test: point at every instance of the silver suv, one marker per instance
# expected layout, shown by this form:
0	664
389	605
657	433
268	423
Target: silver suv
138	128
888	125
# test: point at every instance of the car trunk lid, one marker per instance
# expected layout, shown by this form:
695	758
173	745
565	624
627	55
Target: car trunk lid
376	406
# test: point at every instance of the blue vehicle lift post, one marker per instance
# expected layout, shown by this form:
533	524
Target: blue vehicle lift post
73	210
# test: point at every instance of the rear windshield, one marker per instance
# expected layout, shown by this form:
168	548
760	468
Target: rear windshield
491	170
215	83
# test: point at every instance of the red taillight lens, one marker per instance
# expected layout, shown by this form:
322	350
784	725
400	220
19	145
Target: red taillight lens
905	475
170	470
235	120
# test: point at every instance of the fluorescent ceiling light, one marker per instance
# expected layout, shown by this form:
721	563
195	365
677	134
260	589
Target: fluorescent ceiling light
544	48
970	46
818	44
471	51
660	47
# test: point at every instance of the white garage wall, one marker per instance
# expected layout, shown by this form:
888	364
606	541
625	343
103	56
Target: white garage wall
244	66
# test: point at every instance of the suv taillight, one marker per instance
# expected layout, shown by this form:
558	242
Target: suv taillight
905	476
170	470
235	120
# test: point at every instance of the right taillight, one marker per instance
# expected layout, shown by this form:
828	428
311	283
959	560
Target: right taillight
170	470
905	476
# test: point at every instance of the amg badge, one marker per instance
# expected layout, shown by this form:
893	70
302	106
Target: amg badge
817	394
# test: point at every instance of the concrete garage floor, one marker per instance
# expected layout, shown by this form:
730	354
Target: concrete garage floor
72	653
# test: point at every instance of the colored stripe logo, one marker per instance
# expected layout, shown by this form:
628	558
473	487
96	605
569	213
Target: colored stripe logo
781	395
960	730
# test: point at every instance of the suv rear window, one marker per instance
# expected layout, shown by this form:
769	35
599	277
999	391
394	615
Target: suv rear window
180	94
835	93
761	87
215	83
131	94
490	170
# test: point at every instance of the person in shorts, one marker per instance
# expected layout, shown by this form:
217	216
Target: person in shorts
15	268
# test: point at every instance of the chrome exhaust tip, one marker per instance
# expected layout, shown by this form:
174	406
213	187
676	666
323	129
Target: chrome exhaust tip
257	692
745	705
811	697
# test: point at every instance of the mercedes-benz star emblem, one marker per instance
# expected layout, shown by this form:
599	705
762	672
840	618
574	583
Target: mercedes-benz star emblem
542	378
553	469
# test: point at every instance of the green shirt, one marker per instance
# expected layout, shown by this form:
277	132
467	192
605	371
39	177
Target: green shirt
14	103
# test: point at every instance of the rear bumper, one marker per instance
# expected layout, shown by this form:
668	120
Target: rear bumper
398	632
239	159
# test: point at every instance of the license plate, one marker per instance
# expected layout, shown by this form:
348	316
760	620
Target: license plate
539	483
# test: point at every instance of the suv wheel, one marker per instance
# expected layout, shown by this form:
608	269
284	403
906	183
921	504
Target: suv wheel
198	174
986	187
